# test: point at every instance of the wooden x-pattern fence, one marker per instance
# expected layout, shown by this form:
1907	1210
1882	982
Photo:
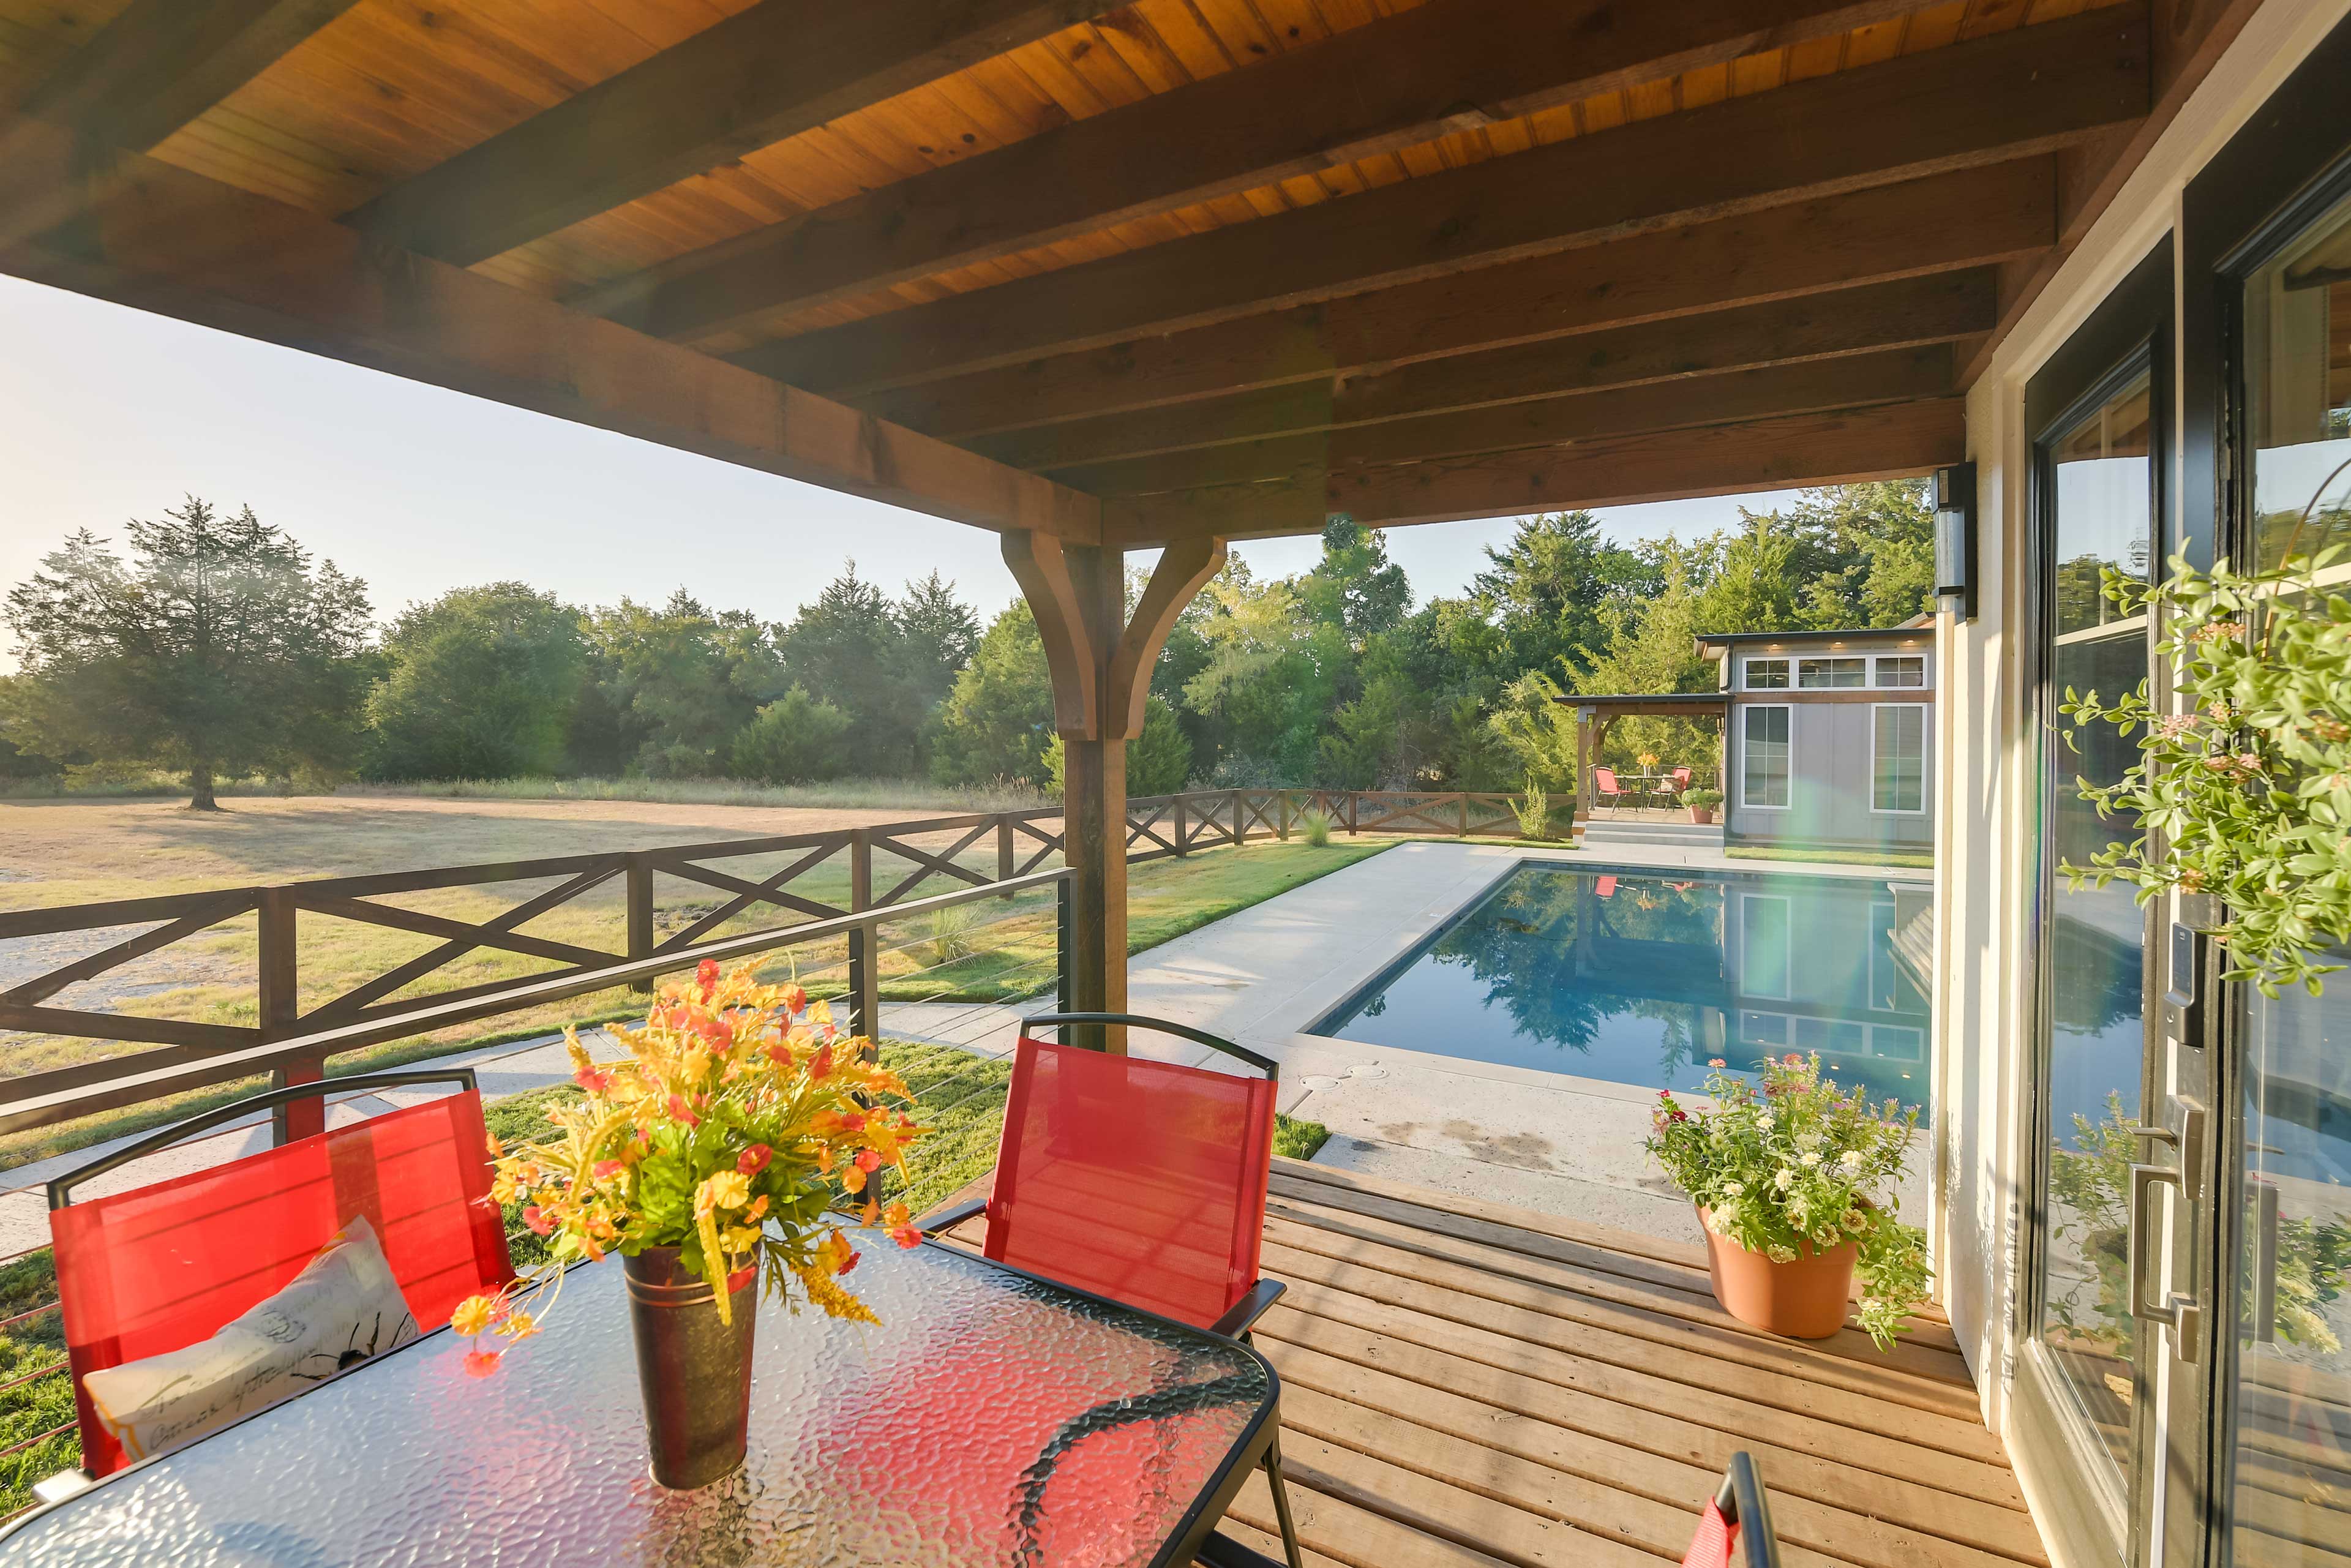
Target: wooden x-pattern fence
1024	842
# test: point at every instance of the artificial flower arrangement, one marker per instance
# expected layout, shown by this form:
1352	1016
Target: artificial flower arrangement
723	1136
1798	1161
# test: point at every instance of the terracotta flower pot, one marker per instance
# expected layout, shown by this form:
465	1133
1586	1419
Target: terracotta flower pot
1701	813
1802	1299
694	1371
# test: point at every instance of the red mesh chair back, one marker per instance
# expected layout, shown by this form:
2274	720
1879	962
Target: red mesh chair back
1681	779
1604	779
162	1267
1143	1181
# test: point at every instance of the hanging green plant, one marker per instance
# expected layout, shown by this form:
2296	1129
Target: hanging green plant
2245	793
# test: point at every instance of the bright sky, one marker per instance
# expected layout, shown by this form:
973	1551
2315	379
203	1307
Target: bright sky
108	413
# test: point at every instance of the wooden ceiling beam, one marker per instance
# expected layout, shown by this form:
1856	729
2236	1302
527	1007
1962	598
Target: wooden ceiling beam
160	64
2194	35
1374	89
1897	441
1941	307
1890	375
1974	218
142	233
756	79
2027	90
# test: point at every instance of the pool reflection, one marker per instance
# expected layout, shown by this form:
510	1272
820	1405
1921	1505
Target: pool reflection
1642	978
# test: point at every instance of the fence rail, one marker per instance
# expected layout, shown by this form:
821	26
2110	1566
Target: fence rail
829	884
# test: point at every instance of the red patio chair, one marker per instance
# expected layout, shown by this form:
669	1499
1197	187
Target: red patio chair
1605	790
1679	781
1143	1181
166	1266
1735	1531
1606	886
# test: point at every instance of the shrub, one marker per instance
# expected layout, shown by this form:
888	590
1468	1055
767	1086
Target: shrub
1533	811
1317	827
791	740
1701	797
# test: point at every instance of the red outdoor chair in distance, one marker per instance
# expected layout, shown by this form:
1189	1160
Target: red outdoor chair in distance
195	1299
1142	1181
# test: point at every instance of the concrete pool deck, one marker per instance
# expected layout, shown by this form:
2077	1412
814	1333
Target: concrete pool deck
1538	1139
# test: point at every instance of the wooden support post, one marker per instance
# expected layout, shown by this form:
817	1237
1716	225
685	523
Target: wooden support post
1004	861
1100	661
641	913
1354	801
1281	815
864	963
1583	766
280	1006
1182	841
1464	804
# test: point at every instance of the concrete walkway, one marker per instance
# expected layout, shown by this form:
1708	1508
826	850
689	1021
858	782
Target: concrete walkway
1541	1140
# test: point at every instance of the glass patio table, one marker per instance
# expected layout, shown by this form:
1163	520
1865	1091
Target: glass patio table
991	1418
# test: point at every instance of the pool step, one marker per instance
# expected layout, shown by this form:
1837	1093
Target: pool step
1598	830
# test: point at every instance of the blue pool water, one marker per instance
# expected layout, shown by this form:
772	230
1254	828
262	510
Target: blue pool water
1641	977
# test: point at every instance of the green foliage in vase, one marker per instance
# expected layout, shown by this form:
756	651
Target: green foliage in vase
2244	793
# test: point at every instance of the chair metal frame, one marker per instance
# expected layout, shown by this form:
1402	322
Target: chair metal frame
1611	795
1219	1551
1742	1501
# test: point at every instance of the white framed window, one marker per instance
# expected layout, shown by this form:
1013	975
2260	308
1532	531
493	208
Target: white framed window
1898	758
1898	1043
1765	755
1764	960
1768	1030
1824	674
1895	670
1765	674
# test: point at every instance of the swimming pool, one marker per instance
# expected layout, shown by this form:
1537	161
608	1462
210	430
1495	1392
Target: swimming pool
1642	976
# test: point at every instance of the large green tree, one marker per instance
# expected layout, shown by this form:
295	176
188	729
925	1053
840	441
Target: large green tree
674	684
480	683
998	720
216	647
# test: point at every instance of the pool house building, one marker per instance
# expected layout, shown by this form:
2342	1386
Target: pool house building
1830	738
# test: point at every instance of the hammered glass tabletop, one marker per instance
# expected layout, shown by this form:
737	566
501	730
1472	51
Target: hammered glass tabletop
989	1419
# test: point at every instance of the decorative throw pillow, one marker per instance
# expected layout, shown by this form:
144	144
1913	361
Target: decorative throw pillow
343	1307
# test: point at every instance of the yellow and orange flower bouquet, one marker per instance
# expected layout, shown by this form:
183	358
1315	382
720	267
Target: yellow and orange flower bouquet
728	1133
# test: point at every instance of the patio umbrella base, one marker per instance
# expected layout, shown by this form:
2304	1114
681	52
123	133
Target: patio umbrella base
693	1370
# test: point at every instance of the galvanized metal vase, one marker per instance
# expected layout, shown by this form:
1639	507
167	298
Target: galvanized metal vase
694	1371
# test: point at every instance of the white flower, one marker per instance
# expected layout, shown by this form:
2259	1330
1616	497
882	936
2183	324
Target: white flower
1850	1161
1785	1179
1766	1120
1808	1141
1809	1158
1733	1188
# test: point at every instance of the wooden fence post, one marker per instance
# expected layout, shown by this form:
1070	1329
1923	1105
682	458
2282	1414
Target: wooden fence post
1182	844
864	962
1354	798
1281	815
1465	813
1238	819
279	998
1004	850
641	914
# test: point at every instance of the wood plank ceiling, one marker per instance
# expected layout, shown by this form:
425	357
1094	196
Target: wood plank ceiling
1229	264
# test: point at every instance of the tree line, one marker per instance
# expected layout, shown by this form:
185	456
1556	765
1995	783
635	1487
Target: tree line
216	646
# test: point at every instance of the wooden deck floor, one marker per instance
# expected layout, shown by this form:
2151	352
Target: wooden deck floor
1465	1385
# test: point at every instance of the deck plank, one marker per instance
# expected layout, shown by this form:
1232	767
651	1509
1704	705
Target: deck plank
1471	1385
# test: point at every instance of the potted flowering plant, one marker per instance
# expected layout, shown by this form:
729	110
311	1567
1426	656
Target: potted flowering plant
707	1161
1794	1181
1701	803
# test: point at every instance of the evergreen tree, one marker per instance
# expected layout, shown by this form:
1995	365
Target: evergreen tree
999	717
217	648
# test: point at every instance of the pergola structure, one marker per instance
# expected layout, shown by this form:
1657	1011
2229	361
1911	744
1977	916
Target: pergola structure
1116	278
1594	714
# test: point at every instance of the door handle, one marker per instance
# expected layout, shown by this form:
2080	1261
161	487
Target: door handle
2266	1262
2182	1314
2186	1140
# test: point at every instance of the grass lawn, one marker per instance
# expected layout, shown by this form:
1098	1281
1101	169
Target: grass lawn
1848	857
960	1096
